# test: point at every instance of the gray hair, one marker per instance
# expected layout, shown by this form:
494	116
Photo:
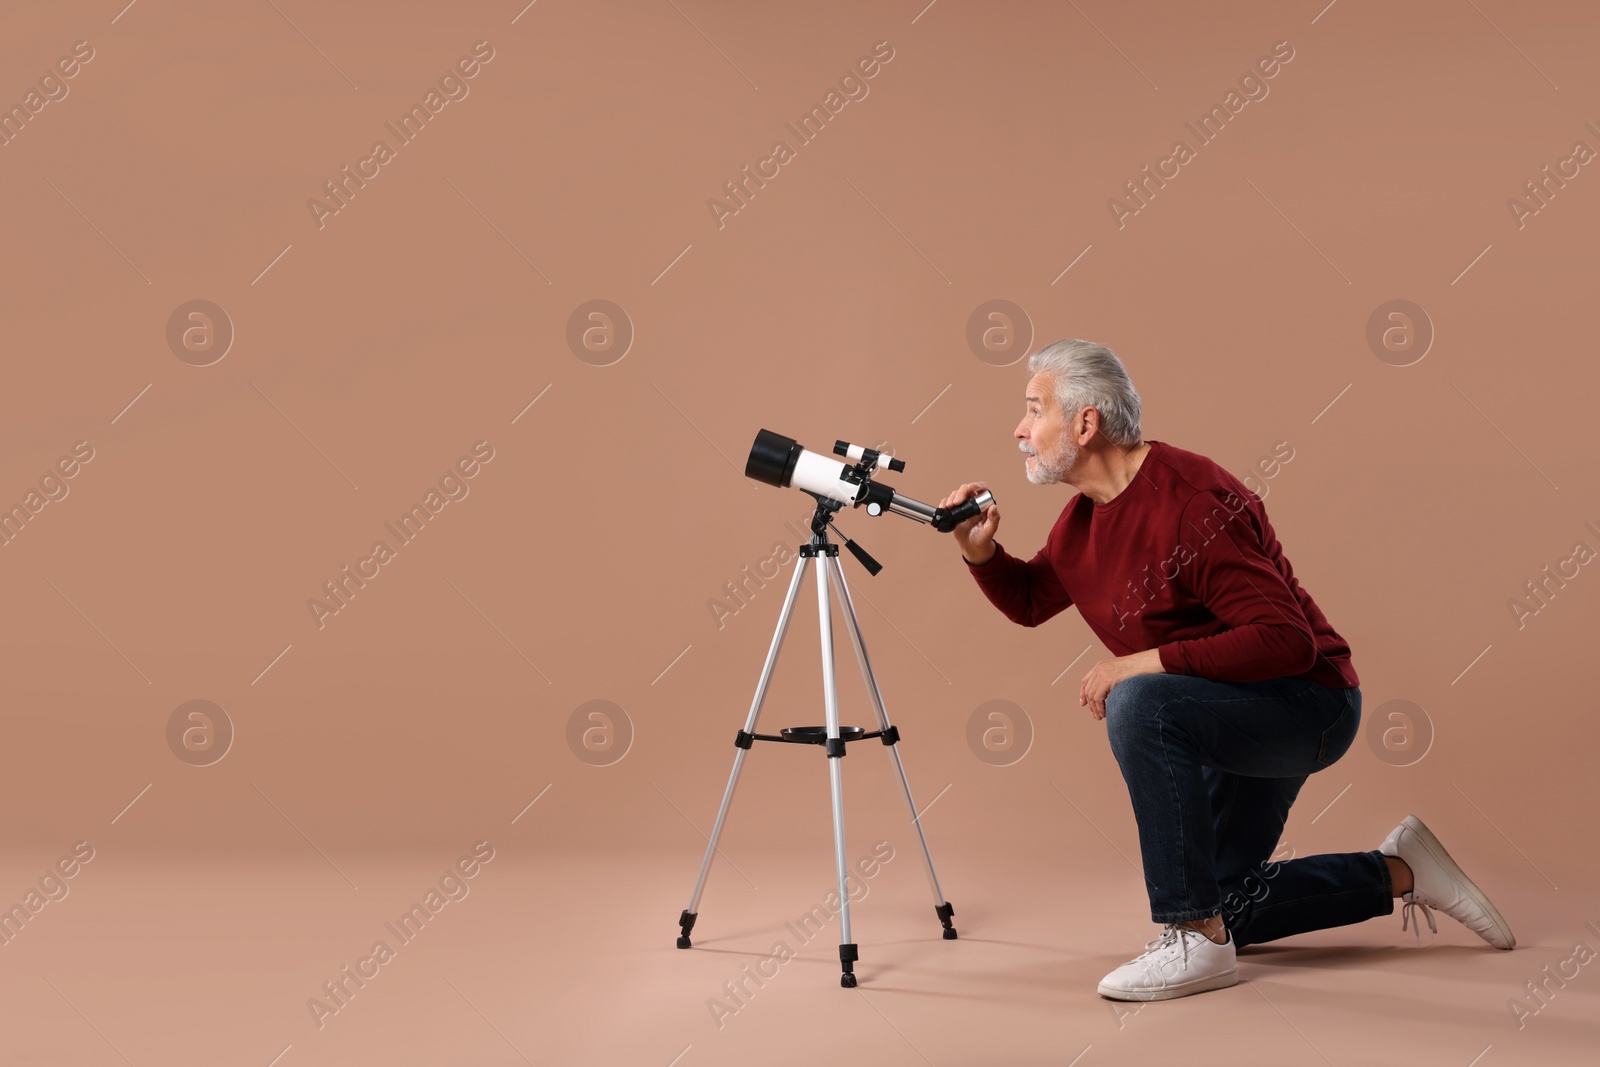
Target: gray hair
1085	374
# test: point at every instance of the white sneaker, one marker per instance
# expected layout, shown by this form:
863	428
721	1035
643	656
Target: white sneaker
1179	962
1439	883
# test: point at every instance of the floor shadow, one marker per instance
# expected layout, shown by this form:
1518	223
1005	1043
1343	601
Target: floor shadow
1458	959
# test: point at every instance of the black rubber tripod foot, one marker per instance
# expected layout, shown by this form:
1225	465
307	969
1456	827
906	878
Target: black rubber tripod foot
847	960
686	921
944	911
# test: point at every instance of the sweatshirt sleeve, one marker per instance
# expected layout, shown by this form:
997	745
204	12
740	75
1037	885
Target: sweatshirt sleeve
1026	593
1267	634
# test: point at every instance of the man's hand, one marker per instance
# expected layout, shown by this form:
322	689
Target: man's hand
1105	674
975	537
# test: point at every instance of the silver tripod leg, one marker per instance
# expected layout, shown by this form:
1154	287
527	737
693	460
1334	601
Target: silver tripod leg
835	749
686	920
853	625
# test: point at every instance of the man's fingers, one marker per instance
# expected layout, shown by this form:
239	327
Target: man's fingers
960	495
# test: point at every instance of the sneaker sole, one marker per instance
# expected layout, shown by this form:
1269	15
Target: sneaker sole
1198	985
1431	845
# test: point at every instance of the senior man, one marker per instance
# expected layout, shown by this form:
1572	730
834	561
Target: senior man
1228	687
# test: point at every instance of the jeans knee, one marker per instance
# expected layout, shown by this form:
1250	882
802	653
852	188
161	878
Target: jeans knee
1131	708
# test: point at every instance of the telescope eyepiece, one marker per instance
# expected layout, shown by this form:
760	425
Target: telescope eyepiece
947	519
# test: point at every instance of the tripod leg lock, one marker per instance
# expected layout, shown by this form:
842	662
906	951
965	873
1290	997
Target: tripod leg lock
847	960
743	739
944	911
686	921
891	736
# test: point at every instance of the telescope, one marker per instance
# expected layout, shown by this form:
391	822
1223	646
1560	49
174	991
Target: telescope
781	461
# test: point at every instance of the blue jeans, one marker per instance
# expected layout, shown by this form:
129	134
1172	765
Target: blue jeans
1212	768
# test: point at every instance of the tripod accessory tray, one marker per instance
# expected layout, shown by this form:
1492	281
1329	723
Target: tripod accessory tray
817	735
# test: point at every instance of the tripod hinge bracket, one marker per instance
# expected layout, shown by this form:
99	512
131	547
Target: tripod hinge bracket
744	739
891	735
835	747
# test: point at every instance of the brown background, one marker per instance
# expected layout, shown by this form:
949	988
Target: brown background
434	308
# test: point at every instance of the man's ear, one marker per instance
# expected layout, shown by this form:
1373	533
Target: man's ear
1081	423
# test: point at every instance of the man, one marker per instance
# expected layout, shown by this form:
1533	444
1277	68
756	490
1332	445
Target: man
1228	689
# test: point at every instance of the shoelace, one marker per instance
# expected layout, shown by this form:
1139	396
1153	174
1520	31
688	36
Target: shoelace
1407	916
1168	935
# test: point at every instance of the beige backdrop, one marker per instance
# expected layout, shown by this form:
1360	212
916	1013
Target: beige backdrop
234	456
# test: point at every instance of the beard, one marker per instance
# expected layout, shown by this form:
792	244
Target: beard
1049	468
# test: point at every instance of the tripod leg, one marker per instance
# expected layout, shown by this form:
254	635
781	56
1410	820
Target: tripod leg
891	739
743	741
835	748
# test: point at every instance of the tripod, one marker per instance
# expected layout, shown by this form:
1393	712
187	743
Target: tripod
832	737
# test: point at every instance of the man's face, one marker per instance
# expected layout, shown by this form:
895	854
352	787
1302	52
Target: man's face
1042	434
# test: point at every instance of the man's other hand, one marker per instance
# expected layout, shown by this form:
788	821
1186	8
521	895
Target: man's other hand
1104	676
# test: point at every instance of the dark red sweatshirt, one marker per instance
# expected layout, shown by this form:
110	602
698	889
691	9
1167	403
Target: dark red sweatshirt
1184	561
